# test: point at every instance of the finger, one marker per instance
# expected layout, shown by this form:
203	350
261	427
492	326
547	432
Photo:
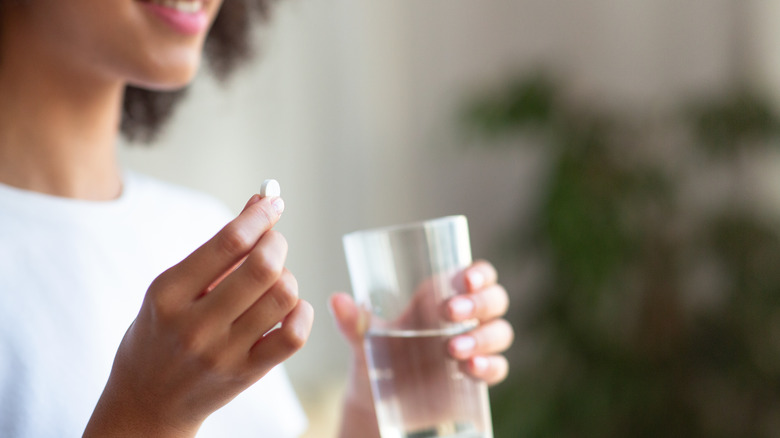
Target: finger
253	200
491	338
479	275
238	291
221	253
281	343
487	304
266	312
491	369
350	320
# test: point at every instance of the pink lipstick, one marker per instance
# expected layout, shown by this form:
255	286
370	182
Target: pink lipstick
186	17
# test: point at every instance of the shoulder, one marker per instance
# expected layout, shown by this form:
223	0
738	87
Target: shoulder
174	205
161	195
171	216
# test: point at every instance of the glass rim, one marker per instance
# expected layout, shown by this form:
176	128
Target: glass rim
421	224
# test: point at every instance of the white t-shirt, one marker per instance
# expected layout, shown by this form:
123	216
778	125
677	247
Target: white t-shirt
73	275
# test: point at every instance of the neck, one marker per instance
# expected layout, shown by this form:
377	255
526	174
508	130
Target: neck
58	125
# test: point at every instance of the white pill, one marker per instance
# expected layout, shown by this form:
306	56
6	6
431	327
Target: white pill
270	189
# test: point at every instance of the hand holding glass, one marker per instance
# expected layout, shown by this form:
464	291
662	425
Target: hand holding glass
404	276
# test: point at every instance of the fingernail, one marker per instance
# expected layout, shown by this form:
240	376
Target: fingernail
461	308
476	280
464	345
331	310
278	205
480	364
362	322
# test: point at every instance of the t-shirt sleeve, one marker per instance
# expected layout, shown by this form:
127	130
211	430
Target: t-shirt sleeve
269	408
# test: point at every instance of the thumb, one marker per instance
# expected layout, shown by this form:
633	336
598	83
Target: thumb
350	319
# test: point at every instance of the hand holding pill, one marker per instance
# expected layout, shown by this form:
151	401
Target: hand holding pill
203	333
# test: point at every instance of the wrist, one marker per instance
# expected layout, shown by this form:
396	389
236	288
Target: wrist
118	414
358	416
358	384
358	419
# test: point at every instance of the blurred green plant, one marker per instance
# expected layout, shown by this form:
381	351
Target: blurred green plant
657	317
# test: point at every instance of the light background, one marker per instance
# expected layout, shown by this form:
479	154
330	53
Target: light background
351	105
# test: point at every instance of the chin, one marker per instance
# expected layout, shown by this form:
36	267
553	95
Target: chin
166	77
163	84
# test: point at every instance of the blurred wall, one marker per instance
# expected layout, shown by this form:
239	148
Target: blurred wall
351	106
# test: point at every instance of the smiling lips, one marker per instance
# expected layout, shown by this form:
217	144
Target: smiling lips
187	17
186	6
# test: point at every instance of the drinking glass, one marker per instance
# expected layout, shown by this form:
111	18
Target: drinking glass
402	277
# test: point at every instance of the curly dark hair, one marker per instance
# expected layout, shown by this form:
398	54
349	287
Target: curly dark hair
227	46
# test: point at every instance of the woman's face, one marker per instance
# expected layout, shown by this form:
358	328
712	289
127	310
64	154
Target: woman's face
150	43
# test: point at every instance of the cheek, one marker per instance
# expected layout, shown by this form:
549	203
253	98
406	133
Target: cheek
117	39
147	54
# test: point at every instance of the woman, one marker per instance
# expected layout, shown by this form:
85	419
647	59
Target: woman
81	240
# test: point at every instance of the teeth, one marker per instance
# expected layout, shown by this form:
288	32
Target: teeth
186	6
